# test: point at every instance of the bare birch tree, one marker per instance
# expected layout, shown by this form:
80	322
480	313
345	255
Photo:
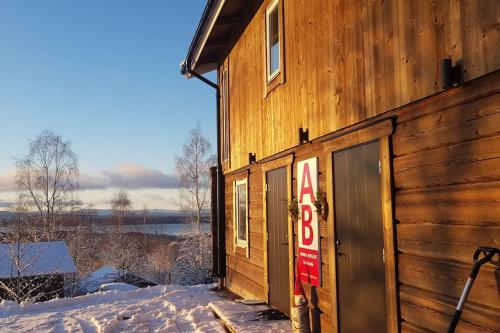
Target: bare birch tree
194	174
48	177
121	205
123	250
17	244
162	259
145	216
193	170
82	241
194	259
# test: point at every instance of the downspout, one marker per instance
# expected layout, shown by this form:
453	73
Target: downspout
221	255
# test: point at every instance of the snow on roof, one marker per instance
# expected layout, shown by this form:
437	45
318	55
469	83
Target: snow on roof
41	258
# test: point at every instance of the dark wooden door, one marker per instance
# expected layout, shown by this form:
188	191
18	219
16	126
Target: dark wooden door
359	240
277	246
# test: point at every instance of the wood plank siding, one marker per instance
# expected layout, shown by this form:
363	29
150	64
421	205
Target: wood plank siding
352	68
440	165
446	170
245	274
347	61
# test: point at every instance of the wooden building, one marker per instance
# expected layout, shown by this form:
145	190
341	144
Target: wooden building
407	149
37	271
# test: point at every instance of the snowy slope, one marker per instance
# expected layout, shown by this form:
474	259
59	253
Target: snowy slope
156	309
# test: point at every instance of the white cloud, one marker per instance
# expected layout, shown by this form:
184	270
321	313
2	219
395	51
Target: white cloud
150	187
8	181
129	176
125	176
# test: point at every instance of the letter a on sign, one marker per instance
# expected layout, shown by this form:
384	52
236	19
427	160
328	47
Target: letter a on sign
309	252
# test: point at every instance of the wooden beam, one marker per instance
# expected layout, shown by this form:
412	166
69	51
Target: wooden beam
389	236
229	20
277	163
364	135
332	262
264	237
217	42
207	59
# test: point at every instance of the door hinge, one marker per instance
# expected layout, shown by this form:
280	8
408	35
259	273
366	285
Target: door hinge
266	188
383	256
379	168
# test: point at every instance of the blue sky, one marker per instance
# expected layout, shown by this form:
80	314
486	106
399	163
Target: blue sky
103	74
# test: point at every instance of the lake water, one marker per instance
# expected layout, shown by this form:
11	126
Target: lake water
174	229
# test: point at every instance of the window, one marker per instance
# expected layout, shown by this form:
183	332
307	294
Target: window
273	40
225	116
241	212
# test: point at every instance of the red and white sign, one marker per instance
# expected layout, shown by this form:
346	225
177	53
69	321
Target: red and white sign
309	260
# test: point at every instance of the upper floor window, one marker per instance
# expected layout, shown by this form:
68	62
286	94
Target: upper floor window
225	115
273	40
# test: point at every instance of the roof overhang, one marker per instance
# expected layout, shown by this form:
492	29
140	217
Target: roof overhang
212	36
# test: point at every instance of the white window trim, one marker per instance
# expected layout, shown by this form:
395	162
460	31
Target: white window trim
271	76
239	242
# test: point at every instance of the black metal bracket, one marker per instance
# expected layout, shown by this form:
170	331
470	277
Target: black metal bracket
303	135
252	158
450	75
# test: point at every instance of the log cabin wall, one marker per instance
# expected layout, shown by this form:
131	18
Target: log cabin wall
446	164
346	64
347	61
245	271
446	180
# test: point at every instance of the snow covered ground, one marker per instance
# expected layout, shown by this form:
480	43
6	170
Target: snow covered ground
156	309
244	318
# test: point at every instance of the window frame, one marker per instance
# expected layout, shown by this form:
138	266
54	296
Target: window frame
225	142
270	76
240	242
278	78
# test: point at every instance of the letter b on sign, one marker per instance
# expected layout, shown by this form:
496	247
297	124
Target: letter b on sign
307	230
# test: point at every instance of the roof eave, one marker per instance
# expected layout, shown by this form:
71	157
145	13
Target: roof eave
205	27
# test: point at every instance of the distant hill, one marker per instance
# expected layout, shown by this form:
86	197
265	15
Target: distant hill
103	216
151	212
109	212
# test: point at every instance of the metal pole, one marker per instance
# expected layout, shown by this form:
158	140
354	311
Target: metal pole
489	253
221	224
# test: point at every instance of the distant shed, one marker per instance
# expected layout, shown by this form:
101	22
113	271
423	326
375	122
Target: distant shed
41	270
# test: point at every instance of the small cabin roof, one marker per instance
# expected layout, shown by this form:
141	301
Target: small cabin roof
218	20
40	258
